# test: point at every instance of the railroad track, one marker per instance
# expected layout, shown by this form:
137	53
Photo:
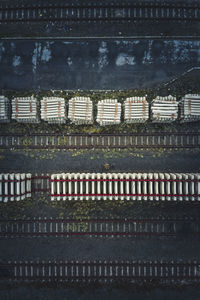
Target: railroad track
44	227
126	186
97	12
102	186
101	141
105	271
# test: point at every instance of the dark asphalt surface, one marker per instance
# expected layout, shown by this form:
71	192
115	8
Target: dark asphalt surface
94	64
99	293
85	248
94	162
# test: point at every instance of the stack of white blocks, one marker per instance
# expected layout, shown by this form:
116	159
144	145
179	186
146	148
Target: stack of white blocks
164	109
4	111
80	110
108	112
53	110
24	109
136	110
190	108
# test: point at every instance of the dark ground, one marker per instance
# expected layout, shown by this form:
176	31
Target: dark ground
94	64
98	29
107	293
86	248
93	161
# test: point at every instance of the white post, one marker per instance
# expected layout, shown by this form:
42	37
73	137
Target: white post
28	185
81	185
128	184
150	185
156	187
69	186
76	186
104	186
180	187
192	192
185	187
58	187
6	192
12	186
1	187
99	186
64	186
144	186
52	188
139	190
133	184
93	176
162	186
174	191
168	184
116	186
110	186
23	185
17	176
121	186
198	186
87	186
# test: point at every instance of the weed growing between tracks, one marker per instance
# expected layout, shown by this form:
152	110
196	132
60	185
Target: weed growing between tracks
117	153
121	209
102	155
36	154
41	206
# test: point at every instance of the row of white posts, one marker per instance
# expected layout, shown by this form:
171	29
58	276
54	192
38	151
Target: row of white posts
15	187
127	186
107	186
